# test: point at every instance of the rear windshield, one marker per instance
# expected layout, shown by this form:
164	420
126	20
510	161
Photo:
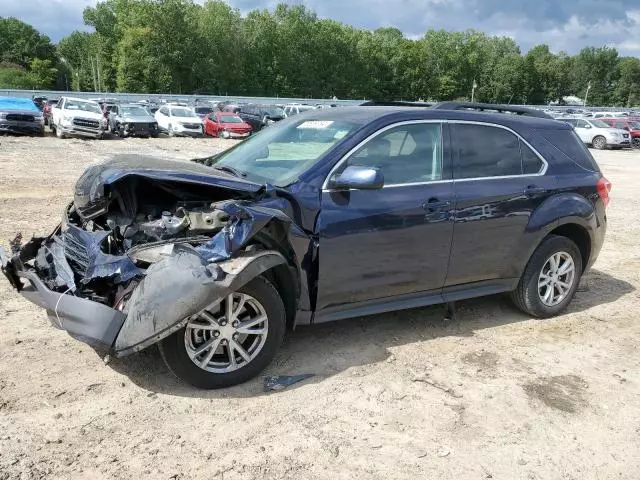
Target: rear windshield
571	147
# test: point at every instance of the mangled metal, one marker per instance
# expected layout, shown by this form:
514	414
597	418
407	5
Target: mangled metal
142	249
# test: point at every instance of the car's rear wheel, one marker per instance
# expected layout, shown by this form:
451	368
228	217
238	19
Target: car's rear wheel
599	142
231	341
550	279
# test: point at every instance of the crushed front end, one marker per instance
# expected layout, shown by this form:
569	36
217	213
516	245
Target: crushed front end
136	255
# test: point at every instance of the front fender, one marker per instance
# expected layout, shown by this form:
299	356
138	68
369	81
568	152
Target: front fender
180	286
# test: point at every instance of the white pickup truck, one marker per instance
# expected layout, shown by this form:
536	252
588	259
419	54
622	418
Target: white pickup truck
76	116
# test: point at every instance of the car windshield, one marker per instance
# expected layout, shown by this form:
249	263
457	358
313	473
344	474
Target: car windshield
182	112
600	124
134	111
635	125
84	106
230	119
279	154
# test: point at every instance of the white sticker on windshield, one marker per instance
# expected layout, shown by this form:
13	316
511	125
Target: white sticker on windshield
315	124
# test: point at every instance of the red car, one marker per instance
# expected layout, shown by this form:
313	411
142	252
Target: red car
226	125
631	125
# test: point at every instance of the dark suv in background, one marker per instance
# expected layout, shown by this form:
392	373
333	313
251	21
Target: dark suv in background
260	116
333	214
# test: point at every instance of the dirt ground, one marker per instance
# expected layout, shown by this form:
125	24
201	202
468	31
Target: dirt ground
494	394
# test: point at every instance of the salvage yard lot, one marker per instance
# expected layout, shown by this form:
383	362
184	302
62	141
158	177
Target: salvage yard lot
494	394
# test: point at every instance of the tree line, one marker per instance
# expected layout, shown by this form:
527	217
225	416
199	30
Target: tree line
178	46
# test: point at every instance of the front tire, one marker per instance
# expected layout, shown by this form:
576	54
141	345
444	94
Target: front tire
550	279
231	342
59	132
599	142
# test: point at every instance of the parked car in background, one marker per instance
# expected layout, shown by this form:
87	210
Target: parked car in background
39	102
179	120
296	108
229	107
630	125
20	116
260	116
226	125
599	134
77	117
132	120
46	111
367	210
203	110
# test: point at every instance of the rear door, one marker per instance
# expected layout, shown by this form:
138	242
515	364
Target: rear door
498	180
394	240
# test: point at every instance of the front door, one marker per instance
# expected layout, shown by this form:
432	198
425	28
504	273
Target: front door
395	240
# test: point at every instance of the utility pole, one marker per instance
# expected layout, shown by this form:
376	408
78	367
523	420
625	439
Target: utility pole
473	90
98	70
93	72
586	95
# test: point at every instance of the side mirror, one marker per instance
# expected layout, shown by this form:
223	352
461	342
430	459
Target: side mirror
587	126
358	177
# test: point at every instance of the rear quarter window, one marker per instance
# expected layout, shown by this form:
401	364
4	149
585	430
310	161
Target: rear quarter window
571	148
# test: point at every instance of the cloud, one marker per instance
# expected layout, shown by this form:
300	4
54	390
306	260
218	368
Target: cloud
564	25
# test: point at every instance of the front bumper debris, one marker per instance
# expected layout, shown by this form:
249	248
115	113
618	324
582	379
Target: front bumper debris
53	273
88	321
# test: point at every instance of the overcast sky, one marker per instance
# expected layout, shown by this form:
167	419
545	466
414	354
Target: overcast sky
563	24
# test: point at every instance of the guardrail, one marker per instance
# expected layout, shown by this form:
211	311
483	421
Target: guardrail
134	97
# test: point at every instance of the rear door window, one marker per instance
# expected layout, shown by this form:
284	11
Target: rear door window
485	151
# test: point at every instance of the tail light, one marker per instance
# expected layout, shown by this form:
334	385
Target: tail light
604	187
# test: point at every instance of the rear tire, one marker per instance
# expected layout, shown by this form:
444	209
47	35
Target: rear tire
176	354
529	296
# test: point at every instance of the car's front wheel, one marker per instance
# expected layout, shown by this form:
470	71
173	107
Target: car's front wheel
599	143
230	341
550	279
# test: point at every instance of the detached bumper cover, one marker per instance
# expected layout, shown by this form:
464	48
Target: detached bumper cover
89	321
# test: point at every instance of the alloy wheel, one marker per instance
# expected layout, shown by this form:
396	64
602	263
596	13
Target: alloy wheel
227	335
556	278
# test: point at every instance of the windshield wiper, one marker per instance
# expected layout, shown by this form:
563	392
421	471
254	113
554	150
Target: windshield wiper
231	170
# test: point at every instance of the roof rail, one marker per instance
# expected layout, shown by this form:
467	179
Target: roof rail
384	103
526	112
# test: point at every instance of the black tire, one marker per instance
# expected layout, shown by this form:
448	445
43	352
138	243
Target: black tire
635	142
599	142
526	296
175	355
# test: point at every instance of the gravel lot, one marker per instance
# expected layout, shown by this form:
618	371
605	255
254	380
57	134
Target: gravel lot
494	394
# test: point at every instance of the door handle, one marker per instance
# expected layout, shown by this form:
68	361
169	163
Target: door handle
434	205
532	190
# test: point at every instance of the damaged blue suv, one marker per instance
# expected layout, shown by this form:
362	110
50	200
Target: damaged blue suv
333	214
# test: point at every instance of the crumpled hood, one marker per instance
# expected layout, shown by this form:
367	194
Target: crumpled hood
89	192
